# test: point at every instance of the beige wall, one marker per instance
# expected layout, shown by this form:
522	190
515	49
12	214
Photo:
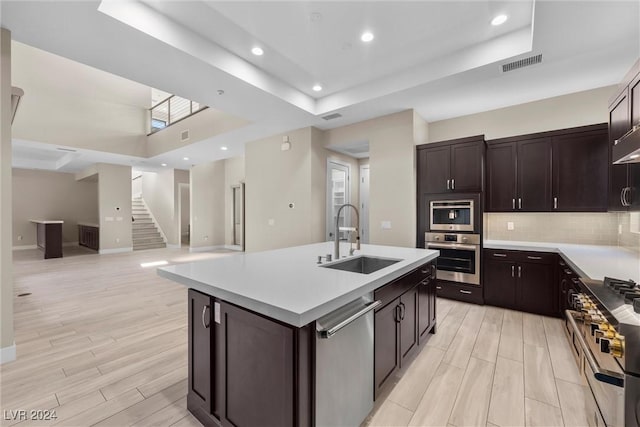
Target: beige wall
181	214
6	256
203	125
51	195
233	175
158	194
207	204
576	109
392	195
114	206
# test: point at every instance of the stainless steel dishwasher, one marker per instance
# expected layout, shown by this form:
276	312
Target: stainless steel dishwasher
344	364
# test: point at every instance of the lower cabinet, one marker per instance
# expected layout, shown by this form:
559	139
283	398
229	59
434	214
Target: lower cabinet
228	384
521	281
403	323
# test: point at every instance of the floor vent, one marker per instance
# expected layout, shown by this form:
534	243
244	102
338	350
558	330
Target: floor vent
520	63
184	135
332	116
24	294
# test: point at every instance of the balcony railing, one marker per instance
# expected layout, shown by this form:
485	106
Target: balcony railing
172	110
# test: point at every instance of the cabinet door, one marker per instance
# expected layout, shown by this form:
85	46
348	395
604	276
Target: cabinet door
535	289
386	343
534	175
257	390
634	101
409	323
619	124
500	283
466	166
634	185
424	308
200	351
501	177
437	170
580	172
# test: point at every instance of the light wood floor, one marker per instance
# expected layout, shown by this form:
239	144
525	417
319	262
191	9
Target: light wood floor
102	341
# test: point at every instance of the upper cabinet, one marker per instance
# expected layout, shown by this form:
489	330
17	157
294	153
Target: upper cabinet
451	166
560	171
624	114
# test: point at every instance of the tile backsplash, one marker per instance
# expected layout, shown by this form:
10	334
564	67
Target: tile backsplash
563	227
630	230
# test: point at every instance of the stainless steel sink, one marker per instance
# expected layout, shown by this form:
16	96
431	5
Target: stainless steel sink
362	264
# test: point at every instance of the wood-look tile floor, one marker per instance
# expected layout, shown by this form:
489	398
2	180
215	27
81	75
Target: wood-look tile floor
488	366
102	341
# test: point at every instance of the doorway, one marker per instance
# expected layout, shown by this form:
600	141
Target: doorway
364	204
185	214
237	215
338	179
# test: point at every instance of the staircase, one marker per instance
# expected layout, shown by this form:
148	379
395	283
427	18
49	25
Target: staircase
145	232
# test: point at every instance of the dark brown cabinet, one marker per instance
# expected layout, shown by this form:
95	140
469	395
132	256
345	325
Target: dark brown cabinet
451	166
564	170
521	280
403	323
229	385
619	124
89	236
567	285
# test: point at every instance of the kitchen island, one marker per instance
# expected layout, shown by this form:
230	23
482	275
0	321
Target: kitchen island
265	345
49	237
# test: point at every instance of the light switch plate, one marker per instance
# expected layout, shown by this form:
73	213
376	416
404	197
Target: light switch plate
118	218
108	218
271	222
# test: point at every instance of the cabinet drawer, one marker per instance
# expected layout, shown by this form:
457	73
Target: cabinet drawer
500	254
537	257
393	290
460	292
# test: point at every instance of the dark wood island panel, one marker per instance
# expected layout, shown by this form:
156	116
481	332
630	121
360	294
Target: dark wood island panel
49	237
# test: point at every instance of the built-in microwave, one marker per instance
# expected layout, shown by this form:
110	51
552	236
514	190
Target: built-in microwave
451	215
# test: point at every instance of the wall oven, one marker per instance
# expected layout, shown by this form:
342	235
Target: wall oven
459	259
451	215
603	328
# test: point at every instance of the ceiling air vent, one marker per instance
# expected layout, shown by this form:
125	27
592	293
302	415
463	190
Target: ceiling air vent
332	116
184	135
520	63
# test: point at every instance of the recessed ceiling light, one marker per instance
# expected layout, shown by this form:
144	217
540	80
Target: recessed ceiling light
164	164
366	36
224	148
185	158
257	51
317	88
499	20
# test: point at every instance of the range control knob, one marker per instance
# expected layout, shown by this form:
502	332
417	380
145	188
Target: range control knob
613	346
464	239
437	237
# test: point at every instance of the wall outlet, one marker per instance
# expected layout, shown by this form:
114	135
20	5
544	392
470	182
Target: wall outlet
117	240
511	226
271	222
108	218
619	230
19	236
118	218
206	237
386	225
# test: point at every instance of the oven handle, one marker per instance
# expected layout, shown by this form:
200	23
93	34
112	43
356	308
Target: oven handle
452	246
600	374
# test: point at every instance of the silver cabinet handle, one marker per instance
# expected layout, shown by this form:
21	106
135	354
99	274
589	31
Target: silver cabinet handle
204	313
500	255
453	184
448	184
519	271
402	311
328	333
439	288
513	271
519	203
629	132
462	291
452	246
627	190
534	257
622	196
555	203
513	204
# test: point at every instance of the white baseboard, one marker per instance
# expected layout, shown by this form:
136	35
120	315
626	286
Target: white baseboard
8	354
172	246
115	251
205	248
233	247
24	247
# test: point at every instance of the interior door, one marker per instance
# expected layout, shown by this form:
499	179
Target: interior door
337	195
364	204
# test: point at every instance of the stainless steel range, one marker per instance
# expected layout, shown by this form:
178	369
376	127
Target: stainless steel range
604	331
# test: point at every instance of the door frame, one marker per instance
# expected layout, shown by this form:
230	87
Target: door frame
364	219
183	187
329	226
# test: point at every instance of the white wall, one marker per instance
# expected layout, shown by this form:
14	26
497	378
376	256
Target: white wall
576	109
157	192
51	195
207	204
233	175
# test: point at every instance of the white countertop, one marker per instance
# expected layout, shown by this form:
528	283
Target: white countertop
89	224
592	261
288	284
41	221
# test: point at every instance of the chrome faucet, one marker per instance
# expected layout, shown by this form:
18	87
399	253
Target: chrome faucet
337	231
